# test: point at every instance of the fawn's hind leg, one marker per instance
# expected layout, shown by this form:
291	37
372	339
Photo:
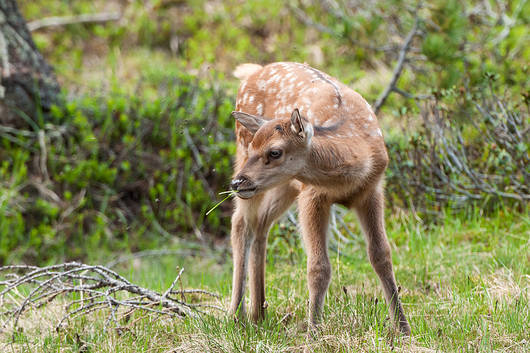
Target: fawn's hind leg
371	216
314	210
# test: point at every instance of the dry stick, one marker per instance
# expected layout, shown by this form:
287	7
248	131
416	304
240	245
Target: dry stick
399	67
170	289
196	291
43	156
45	191
68	20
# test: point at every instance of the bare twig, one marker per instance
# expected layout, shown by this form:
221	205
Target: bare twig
410	95
100	289
398	68
43	156
307	21
45	192
68	20
509	23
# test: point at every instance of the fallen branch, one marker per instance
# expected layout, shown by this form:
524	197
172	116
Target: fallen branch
68	20
99	289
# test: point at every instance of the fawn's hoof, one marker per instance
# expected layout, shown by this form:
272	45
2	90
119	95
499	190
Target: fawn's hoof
404	328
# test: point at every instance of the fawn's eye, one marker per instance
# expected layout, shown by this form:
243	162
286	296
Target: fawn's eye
275	154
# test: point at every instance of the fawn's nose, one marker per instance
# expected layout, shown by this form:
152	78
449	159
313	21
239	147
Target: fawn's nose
236	183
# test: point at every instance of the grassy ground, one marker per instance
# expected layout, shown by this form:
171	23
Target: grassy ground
465	287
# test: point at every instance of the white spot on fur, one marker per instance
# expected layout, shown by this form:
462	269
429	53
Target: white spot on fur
251	99
259	109
368	166
376	132
245	96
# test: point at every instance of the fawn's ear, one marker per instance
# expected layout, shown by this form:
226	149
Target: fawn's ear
301	126
251	122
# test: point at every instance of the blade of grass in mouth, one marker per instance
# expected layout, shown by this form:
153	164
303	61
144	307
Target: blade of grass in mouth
230	194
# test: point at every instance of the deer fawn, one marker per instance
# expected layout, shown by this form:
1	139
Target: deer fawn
302	135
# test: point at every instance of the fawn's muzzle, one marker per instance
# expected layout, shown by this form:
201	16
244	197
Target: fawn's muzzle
236	183
243	186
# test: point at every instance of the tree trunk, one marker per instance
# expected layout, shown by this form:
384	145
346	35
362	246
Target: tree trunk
28	84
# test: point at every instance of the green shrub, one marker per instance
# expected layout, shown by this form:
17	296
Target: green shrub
120	171
459	156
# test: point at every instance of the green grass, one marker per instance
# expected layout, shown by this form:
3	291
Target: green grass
465	287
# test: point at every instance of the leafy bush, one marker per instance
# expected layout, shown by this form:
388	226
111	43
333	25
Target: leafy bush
116	171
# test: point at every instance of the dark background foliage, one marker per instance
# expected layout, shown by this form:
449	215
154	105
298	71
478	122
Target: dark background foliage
143	142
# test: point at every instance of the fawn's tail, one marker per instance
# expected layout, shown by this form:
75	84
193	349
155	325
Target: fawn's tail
243	71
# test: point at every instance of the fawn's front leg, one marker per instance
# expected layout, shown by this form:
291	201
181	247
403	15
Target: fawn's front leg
242	238
257	277
314	213
275	202
371	215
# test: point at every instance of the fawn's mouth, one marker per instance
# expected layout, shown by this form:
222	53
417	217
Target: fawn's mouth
246	193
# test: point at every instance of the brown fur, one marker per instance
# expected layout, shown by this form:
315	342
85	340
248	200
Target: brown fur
332	151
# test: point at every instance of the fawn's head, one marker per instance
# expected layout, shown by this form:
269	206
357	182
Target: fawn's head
278	152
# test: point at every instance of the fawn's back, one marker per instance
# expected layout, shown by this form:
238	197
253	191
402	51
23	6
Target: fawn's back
342	120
